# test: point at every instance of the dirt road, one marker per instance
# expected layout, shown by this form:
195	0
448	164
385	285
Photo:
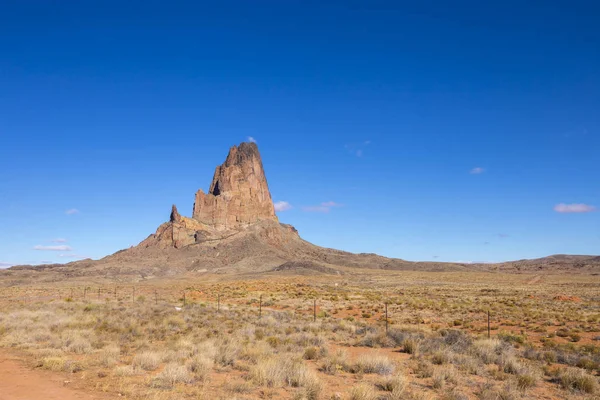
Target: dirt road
18	382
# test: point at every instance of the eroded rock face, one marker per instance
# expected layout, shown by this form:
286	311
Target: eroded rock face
238	195
238	200
175	217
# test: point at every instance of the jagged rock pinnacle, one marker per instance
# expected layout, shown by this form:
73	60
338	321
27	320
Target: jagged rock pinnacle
239	194
175	217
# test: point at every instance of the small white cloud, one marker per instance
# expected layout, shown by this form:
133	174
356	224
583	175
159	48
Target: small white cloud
573	208
322	208
282	206
5	264
477	170
46	262
357	149
72	211
251	139
53	248
59	240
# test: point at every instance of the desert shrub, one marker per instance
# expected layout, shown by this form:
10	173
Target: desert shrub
375	339
255	351
458	340
377	364
148	360
487	350
109	355
441	357
411	346
171	375
396	383
314	353
444	374
338	361
363	391
200	365
72	341
587	363
578	380
508	392
527	377
509	364
423	369
53	363
227	352
511	337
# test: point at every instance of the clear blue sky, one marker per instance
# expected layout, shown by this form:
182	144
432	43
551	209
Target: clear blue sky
468	132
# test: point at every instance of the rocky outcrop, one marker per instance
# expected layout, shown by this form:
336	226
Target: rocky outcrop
238	198
175	217
238	195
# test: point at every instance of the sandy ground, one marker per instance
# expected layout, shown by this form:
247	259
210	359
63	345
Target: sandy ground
18	382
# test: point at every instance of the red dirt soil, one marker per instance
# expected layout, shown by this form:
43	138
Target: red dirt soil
18	382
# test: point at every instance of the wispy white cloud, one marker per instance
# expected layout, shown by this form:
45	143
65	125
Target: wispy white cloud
53	248
59	240
502	235
574	208
320	209
323	207
5	264
477	170
251	139
46	262
282	206
72	255
357	149
72	211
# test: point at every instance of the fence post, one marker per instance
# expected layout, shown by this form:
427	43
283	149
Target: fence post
488	313
386	318
219	302
84	292
115	292
184	297
260	306
315	311
155	297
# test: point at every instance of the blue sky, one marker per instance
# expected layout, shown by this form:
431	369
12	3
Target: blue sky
427	132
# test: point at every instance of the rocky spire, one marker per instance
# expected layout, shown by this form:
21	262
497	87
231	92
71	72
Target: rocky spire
175	217
239	194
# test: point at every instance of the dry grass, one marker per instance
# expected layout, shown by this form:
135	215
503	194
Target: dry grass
363	391
578	380
148	360
147	350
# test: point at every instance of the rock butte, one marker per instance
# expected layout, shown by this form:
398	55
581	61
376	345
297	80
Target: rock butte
238	198
239	193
